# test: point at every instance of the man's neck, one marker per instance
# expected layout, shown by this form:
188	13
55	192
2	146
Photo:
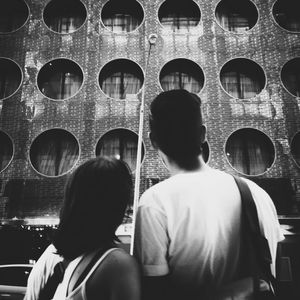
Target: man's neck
174	169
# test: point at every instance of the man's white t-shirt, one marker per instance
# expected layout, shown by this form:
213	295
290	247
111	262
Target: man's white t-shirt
188	226
41	272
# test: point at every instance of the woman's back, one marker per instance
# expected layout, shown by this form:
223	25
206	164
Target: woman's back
114	275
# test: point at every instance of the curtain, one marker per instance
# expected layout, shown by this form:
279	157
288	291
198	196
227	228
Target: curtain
121	144
177	20
121	84
55	154
249	153
110	146
240	85
121	22
111	86
180	80
132	84
65	24
238	23
68	156
233	21
9	80
130	151
61	85
291	81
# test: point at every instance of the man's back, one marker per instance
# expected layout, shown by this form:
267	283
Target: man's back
189	227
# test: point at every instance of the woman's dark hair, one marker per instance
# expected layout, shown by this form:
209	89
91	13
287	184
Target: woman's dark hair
96	197
176	125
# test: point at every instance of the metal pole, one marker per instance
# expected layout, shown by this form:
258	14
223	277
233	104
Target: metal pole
152	40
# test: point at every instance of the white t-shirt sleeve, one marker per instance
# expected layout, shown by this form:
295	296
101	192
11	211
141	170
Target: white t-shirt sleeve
268	219
40	272
151	240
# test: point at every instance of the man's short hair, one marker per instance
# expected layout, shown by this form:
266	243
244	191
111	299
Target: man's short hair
176	124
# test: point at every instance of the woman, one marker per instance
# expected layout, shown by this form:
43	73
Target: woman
96	197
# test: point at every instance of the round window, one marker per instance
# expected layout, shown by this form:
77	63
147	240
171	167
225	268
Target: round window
250	151
64	16
60	79
10	77
286	14
181	74
295	148
13	15
290	76
120	143
242	78
6	150
121	79
54	152
236	15
122	16
179	15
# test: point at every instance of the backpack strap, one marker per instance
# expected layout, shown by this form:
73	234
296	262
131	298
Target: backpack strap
258	248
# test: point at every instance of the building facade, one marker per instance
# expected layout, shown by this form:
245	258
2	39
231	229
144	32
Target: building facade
73	75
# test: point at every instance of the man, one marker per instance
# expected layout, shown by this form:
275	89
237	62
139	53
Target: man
188	226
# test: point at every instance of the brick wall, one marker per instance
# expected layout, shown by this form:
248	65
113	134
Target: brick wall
90	114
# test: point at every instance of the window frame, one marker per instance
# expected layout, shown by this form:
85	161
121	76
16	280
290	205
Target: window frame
179	30
268	169
33	140
21	26
123	129
123	31
60	24
278	25
115	62
181	60
46	65
291	149
13	150
21	77
237	32
297	76
233	59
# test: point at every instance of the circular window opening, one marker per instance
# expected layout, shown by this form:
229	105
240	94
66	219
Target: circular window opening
122	16
286	14
242	78
121	79
236	15
54	152
60	79
64	16
250	151
179	15
295	148
181	74
290	76
10	77
121	144
6	150
13	15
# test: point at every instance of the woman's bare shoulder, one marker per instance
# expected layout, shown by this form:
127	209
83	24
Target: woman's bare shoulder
118	275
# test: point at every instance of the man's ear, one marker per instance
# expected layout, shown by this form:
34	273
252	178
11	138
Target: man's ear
203	133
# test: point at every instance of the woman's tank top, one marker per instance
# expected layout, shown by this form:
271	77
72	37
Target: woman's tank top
79	293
